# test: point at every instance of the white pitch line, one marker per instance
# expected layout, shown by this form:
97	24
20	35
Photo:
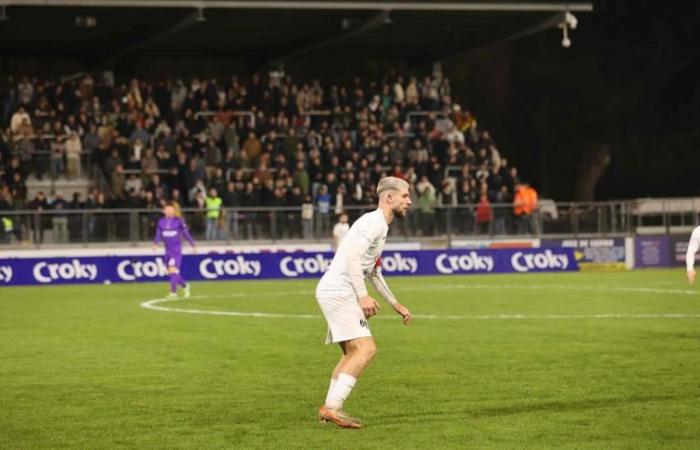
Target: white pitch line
154	305
532	287
537	287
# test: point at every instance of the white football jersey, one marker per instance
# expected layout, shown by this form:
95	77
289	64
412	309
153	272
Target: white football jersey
693	246
368	233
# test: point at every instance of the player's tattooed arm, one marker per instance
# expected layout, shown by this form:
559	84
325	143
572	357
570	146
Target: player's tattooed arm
380	285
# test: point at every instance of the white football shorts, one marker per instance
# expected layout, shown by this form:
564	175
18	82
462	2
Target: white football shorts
345	318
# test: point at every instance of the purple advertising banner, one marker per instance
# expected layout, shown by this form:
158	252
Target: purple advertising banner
593	253
678	246
235	266
651	251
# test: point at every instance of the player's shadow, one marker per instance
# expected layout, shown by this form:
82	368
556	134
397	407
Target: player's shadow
534	407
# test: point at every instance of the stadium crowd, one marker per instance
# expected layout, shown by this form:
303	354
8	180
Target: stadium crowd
210	145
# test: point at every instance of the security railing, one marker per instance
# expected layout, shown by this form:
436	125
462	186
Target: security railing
444	223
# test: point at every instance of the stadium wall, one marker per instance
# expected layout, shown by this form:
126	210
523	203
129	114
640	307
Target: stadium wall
309	260
211	265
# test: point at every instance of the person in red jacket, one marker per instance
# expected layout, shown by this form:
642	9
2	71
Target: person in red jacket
483	214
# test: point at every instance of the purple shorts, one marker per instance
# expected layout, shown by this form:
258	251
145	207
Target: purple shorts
173	260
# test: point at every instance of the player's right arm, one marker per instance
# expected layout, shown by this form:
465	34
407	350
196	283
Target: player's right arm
158	237
355	251
368	304
693	246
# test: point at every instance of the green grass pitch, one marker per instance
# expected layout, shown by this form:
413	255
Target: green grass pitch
584	360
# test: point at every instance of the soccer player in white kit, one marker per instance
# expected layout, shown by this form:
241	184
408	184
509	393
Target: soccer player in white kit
693	246
345	303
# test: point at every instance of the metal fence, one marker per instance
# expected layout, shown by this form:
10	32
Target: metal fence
601	219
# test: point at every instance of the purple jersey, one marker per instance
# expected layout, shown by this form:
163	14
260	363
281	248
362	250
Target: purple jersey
171	230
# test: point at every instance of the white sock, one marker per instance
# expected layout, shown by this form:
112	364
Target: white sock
340	390
330	389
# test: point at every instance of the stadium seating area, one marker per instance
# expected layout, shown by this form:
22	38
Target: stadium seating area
259	141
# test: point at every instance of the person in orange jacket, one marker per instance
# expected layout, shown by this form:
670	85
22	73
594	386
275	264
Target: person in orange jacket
524	208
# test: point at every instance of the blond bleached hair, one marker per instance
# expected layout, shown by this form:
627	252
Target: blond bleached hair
388	184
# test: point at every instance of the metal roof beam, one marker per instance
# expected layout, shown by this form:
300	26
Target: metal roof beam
373	22
530	6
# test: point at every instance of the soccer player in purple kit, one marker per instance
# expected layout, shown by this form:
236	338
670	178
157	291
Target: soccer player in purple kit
171	229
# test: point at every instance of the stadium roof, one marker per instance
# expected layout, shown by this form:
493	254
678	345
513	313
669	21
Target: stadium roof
413	5
270	30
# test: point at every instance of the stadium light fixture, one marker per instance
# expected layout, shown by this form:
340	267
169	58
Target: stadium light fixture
569	22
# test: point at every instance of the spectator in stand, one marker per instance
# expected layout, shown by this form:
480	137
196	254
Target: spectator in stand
447	202
149	163
91	139
191	126
59	221
58	152
18	191
252	148
512	180
212	158
532	199
133	183
307	218
27	152
73	148
278	220
20	119
524	207
323	210
484	215
501	211
213	204
301	178
137	152
426	205
39	221
75	221
230	199
152	215
466	199
118	182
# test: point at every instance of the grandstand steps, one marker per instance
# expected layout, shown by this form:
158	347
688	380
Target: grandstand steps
60	185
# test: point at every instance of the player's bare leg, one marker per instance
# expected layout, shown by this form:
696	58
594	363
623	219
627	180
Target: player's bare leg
357	354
